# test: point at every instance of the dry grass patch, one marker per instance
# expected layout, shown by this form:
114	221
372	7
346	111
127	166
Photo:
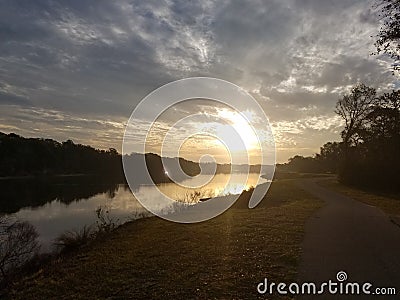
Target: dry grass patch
390	204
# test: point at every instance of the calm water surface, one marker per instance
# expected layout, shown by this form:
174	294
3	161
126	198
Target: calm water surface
55	207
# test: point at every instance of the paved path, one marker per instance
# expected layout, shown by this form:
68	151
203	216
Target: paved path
347	235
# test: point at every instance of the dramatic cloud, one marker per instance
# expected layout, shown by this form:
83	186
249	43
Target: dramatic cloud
76	69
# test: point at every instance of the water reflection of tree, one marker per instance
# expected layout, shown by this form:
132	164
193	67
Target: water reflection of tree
17	194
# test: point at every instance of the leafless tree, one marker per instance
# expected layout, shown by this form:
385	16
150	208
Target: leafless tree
18	244
354	109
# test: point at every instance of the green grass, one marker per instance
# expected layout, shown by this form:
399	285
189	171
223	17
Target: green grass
223	258
390	204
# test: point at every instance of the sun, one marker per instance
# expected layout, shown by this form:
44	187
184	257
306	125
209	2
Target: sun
238	126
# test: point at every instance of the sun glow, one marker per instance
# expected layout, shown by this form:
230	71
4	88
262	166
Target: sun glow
222	133
239	126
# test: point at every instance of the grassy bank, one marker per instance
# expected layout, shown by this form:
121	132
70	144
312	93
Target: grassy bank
389	203
151	258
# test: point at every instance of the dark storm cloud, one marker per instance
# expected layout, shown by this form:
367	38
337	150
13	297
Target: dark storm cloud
74	51
6	98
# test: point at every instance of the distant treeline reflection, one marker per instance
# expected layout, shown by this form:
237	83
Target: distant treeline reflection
35	192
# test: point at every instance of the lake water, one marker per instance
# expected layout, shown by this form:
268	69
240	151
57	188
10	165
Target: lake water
54	207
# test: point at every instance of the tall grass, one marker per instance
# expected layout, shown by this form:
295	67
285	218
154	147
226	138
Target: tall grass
74	239
105	223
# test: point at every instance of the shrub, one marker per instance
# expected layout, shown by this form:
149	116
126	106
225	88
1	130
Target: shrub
105	223
74	239
18	244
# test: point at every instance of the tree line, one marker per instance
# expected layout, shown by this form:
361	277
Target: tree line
21	156
368	153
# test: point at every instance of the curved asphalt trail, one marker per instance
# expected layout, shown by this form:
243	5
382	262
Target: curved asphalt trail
347	235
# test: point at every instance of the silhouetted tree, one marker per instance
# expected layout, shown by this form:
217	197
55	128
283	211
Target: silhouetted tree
354	109
369	152
303	164
330	156
389	33
371	138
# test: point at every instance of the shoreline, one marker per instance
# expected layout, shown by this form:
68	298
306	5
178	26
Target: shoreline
147	251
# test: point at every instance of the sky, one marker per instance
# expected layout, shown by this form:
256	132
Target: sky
77	69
